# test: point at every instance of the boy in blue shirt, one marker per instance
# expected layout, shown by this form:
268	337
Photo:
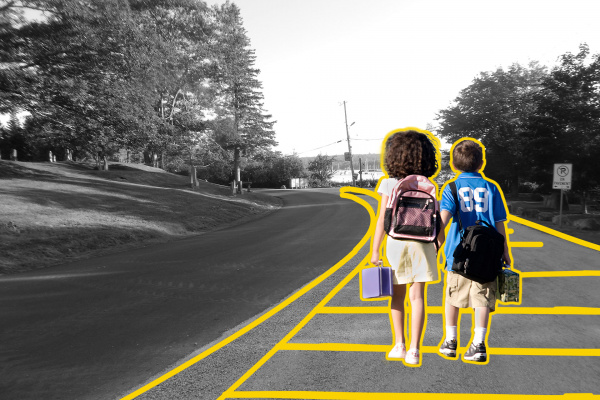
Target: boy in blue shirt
480	199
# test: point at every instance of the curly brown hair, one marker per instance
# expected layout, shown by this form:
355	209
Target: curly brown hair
410	153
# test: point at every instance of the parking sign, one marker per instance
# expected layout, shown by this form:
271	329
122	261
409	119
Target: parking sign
562	176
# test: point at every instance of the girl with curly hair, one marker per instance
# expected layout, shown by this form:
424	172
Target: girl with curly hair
414	263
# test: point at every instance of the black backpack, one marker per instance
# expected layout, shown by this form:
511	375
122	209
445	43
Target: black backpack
478	256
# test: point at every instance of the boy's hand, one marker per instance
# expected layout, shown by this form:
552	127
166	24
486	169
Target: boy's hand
506	258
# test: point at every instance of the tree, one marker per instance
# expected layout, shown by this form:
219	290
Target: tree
446	172
80	72
495	110
321	169
242	124
566	123
272	169
183	42
166	77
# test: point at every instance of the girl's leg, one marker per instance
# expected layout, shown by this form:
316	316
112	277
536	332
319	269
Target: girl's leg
397	310
417	305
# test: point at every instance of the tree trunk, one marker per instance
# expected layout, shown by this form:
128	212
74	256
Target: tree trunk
514	185
147	158
236	169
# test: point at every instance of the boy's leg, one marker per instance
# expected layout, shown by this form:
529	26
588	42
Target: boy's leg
456	296
450	343
482	317
451	314
483	299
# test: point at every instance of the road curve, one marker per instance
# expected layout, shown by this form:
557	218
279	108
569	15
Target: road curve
94	328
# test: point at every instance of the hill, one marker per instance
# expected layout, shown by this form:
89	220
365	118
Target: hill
56	212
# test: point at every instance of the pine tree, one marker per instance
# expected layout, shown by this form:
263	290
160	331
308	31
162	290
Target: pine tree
242	125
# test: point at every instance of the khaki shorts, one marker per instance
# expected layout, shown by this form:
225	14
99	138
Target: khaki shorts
464	293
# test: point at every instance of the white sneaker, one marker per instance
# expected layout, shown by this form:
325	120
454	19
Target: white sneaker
412	357
399	351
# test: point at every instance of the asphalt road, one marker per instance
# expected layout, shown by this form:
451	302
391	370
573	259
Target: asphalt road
95	328
324	342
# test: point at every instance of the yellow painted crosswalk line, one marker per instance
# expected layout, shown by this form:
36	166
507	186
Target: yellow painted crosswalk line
559	274
353	310
313	395
526	244
376	348
440	310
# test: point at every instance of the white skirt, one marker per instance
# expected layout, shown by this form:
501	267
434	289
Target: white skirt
412	261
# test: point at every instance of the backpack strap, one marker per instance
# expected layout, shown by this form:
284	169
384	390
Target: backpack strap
455	194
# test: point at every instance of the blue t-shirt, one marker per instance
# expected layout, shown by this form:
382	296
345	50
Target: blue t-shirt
479	199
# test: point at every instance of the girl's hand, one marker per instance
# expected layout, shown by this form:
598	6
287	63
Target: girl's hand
375	260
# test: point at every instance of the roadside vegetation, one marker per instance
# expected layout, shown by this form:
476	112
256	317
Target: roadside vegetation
57	212
530	118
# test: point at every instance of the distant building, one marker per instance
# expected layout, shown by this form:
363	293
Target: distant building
345	176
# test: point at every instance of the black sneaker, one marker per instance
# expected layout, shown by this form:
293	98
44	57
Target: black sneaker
448	348
476	353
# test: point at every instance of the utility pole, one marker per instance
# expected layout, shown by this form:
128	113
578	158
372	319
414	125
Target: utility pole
349	147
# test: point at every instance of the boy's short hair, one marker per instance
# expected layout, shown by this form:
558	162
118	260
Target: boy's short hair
410	152
467	156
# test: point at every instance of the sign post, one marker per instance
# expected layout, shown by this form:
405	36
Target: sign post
562	180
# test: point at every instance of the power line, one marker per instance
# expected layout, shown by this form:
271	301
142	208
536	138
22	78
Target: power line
327	145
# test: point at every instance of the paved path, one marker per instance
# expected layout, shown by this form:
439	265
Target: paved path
92	329
324	342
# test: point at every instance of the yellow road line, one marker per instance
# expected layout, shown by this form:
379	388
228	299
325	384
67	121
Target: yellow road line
552	232
526	244
312	395
440	310
545	352
353	310
554	274
344	192
376	348
265	317
548	310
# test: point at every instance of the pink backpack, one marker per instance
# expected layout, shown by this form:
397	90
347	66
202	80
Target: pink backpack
412	211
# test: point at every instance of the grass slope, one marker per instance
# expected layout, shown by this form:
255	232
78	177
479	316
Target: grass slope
54	213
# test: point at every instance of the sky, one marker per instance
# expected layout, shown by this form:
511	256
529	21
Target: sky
396	63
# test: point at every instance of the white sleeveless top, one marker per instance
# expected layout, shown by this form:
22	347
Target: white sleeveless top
412	261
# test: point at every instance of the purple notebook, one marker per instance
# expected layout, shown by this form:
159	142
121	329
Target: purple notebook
376	282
